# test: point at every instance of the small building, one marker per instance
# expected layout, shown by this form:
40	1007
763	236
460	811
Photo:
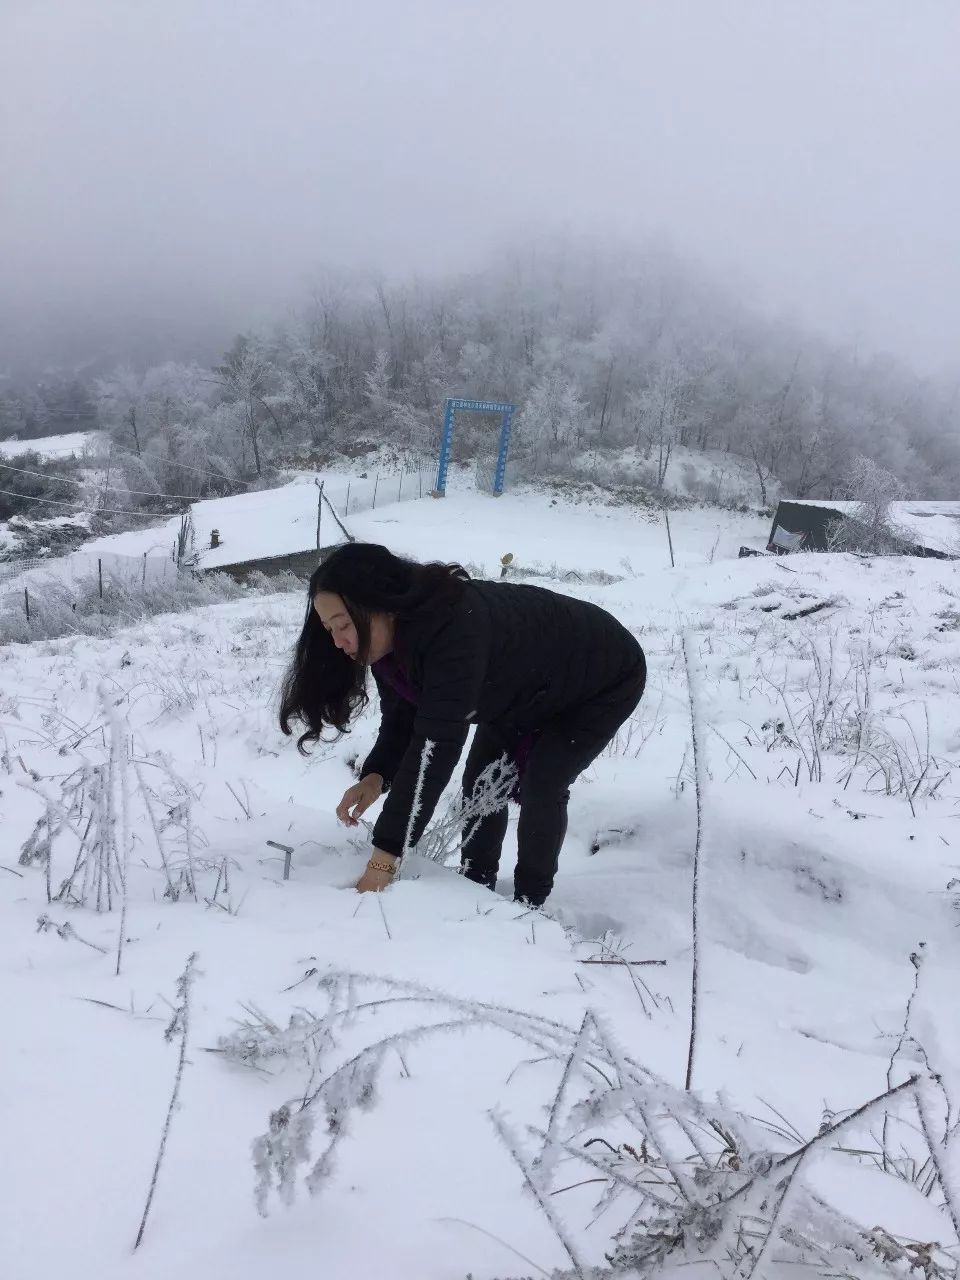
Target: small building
923	528
288	529
270	531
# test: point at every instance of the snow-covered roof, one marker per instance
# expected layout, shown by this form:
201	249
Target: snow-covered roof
252	526
932	524
257	526
283	521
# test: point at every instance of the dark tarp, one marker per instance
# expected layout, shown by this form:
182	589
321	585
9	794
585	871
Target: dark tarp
805	526
811	522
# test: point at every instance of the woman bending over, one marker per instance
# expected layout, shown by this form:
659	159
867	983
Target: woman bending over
547	681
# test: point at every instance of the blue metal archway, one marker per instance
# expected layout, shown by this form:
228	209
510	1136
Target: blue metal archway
506	412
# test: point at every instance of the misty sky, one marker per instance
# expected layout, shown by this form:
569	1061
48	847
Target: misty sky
189	163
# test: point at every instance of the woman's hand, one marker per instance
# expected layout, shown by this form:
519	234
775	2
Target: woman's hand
358	799
379	874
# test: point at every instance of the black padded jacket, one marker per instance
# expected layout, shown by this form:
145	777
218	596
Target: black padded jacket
511	656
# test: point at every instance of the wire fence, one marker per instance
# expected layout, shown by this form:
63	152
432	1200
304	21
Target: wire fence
91	593
22	564
485	473
157	566
366	494
84	572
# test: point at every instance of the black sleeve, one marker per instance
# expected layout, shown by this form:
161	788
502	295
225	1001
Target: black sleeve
396	727
454	666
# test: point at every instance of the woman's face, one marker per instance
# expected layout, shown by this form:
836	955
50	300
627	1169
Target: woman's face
335	616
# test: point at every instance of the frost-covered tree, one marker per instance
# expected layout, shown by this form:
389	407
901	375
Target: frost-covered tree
247	377
554	416
599	348
869	528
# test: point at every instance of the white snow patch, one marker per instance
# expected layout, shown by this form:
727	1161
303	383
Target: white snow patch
72	445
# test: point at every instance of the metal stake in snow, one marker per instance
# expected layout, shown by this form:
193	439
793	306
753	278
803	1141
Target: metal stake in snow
700	778
319	484
287	851
666	518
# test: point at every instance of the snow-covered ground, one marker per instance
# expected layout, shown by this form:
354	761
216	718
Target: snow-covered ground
543	532
546	534
72	445
710	475
829	839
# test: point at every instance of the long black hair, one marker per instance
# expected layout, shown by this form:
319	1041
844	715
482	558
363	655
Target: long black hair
323	686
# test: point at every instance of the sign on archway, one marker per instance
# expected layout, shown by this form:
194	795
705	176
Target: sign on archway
505	411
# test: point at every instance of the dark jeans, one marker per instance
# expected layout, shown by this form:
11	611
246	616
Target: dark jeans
563	749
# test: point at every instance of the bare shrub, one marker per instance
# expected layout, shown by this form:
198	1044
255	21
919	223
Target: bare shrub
869	529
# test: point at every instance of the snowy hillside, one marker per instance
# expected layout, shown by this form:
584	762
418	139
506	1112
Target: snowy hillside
545	532
550	533
829	721
72	445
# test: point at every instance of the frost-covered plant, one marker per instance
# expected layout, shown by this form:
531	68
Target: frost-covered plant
97	808
35	850
697	736
830	711
447	831
559	573
417	805
65	608
186	540
66	931
279	1152
257	1039
178	798
870	529
177	1029
85	810
491	793
692	1181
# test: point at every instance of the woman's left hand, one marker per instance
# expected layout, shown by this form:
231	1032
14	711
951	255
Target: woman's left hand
379	874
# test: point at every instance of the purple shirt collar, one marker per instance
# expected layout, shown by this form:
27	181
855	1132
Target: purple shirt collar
390	670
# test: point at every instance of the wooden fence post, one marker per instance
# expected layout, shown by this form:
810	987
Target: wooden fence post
375	484
666	517
100	576
319	484
26	602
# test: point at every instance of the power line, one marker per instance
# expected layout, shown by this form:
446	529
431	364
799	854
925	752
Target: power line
140	493
103	511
